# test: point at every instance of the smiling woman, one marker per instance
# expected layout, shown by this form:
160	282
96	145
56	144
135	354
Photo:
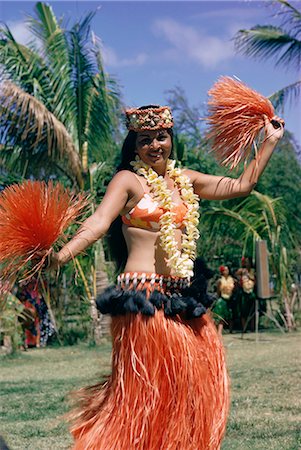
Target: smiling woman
153	147
169	385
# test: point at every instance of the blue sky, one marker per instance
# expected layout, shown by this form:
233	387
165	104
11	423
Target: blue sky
150	47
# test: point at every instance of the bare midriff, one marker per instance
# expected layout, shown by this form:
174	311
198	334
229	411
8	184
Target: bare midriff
144	251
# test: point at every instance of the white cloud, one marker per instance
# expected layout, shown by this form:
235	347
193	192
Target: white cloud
20	31
230	13
112	59
189	43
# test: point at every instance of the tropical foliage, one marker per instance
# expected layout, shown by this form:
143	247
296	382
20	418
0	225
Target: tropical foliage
58	107
230	228
59	114
281	43
10	312
259	217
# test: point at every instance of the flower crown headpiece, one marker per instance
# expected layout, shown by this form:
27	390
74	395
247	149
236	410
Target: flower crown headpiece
149	119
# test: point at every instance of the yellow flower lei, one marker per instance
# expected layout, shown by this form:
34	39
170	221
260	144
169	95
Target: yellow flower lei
180	261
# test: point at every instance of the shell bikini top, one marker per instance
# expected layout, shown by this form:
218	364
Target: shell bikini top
146	214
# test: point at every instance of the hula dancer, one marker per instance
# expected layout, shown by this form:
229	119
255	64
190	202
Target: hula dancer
169	385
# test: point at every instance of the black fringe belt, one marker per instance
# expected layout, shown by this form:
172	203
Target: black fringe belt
144	293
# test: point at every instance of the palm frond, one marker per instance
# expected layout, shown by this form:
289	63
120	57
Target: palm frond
84	69
291	17
104	110
288	94
55	51
61	102
13	160
101	122
23	161
24	66
268	203
237	216
258	216
28	116
8	177
291	57
266	42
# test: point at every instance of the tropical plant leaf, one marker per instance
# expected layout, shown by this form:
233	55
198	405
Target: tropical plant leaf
259	216
84	69
266	42
104	110
268	203
237	216
24	66
291	17
61	105
289	94
282	44
55	51
29	116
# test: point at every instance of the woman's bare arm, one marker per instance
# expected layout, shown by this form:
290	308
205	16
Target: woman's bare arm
213	187
114	201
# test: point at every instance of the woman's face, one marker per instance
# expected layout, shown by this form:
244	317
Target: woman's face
225	272
154	147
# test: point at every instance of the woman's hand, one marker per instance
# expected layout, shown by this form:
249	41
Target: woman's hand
212	187
52	261
274	129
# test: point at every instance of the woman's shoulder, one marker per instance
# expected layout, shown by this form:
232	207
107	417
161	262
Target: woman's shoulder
126	179
124	176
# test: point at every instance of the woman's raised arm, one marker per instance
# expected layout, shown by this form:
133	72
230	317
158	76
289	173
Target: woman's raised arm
213	187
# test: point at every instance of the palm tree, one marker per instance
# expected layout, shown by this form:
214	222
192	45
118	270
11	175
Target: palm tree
280	43
58	107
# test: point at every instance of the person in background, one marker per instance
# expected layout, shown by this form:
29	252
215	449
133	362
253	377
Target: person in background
247	297
223	307
36	322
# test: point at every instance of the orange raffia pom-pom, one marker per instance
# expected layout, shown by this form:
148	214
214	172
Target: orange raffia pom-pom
236	115
33	216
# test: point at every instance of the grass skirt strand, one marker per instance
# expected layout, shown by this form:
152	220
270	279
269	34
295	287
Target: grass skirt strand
168	389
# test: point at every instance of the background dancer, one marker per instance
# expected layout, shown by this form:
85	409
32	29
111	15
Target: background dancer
224	304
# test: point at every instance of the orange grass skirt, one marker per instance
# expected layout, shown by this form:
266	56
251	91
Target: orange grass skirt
168	389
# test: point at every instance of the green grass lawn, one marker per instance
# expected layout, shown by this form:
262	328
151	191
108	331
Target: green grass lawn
266	400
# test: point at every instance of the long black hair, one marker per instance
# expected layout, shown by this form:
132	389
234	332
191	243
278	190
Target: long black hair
116	243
